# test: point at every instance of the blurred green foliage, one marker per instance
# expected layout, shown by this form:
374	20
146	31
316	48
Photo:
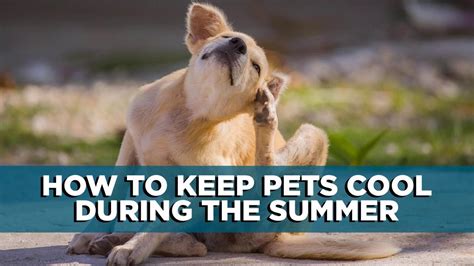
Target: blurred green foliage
349	154
387	124
19	144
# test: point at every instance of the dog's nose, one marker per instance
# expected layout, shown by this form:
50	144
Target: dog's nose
238	45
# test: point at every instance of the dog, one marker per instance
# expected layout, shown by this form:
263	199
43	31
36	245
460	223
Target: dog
220	110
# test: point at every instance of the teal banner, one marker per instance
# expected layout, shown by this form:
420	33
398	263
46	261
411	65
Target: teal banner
236	199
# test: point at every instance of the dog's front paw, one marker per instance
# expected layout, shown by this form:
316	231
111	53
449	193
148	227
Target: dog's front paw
120	255
265	109
125	255
104	244
80	243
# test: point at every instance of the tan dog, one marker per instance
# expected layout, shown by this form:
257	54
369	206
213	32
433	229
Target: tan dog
218	111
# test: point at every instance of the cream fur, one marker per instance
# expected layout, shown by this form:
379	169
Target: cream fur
302	247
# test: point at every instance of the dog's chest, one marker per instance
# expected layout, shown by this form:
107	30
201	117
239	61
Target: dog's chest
231	143
172	140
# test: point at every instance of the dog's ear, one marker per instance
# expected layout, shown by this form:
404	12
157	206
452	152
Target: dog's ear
203	21
277	83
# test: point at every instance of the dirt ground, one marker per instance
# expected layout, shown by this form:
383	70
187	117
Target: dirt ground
418	249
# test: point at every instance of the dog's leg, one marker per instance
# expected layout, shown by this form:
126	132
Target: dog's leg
81	242
104	244
143	245
175	245
309	145
136	250
181	245
306	247
266	124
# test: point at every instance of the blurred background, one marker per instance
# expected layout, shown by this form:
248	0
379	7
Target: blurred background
391	81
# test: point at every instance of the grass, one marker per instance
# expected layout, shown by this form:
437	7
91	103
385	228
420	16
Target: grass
420	128
386	124
19	144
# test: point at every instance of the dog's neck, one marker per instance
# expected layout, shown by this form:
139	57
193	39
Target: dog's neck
207	105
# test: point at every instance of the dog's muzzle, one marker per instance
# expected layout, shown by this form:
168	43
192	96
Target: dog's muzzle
231	50
231	54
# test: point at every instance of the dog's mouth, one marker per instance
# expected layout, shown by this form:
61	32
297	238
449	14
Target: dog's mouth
231	76
227	59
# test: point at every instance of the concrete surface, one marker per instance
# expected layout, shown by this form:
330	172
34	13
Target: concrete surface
418	249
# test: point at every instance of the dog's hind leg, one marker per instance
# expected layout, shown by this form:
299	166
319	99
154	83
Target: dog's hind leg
305	247
181	245
309	145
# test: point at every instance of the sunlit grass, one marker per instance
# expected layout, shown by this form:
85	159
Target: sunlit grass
43	126
422	128
20	145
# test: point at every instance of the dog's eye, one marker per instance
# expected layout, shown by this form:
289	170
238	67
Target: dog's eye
226	37
257	67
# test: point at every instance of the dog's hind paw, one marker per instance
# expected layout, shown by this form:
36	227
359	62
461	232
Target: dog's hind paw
265	109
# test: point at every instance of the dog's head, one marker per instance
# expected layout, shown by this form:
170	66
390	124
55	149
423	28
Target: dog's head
227	67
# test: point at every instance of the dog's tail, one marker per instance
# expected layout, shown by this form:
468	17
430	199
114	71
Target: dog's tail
302	247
